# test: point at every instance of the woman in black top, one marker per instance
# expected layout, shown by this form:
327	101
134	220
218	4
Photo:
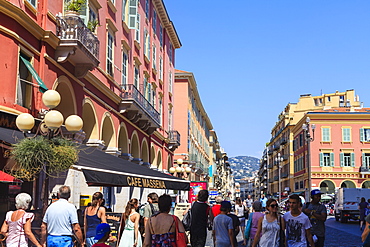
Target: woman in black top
200	211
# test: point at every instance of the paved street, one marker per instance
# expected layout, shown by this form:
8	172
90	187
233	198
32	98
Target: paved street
337	234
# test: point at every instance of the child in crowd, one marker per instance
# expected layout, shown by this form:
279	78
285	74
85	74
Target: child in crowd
102	235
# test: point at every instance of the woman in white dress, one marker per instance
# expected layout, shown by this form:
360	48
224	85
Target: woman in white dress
269	225
130	237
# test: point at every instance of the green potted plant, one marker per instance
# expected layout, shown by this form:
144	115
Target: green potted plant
75	6
92	25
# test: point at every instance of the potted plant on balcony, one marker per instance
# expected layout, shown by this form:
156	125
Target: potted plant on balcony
75	7
91	25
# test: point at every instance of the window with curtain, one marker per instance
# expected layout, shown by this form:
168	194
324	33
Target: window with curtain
124	69
136	78
365	134
347	159
110	54
33	3
366	160
327	159
24	87
154	21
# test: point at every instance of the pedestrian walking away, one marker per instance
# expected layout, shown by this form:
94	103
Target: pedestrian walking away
249	203
17	225
150	208
268	231
94	215
362	206
201	212
129	230
223	229
102	234
297	225
216	209
253	219
317	213
236	225
60	222
160	231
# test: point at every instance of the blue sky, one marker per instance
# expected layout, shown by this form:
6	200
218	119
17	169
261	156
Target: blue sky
251	58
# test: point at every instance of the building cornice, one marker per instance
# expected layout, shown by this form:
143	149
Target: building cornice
167	23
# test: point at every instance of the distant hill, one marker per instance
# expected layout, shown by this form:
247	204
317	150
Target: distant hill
244	166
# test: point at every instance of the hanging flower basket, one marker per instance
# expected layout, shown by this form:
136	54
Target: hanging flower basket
32	155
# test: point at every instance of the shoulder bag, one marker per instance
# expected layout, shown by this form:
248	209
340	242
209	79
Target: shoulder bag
281	234
186	221
248	227
180	236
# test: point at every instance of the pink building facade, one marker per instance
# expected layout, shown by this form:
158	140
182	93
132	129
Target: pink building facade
339	151
118	77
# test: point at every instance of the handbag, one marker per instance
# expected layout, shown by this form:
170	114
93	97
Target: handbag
186	221
248	227
180	236
282	234
246	212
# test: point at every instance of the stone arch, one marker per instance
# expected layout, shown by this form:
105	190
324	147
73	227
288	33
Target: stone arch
327	186
90	126
159	160
144	150
366	185
123	141
67	105
348	184
135	146
152	157
107	131
169	162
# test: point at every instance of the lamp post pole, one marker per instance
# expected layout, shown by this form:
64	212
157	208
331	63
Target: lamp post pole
267	170
309	139
278	160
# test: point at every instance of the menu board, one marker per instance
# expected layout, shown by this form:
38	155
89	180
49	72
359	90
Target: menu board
114	220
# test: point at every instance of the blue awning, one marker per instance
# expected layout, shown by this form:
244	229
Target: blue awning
33	72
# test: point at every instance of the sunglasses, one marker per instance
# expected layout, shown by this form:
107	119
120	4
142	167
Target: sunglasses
273	205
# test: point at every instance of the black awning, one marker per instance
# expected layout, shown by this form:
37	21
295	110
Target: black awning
101	169
10	136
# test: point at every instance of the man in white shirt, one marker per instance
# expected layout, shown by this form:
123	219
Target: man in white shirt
60	221
297	225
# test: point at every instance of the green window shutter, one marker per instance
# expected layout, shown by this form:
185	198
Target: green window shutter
341	159
321	159
361	135
132	14
332	159
363	160
326	135
33	72
346	134
353	163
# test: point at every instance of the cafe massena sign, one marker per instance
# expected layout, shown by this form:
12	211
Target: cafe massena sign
145	183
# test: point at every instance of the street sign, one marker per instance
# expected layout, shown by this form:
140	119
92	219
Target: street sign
213	193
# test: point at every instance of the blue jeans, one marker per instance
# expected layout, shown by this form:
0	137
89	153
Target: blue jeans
90	241
59	241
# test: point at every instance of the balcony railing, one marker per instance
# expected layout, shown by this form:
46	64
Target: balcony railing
77	43
284	175
138	109
364	169
174	139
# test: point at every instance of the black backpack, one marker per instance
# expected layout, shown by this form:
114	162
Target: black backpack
154	212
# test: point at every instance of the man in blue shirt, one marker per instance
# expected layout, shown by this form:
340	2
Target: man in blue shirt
263	201
60	222
223	229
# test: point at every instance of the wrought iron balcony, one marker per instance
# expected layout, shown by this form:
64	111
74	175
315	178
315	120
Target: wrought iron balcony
271	180
138	109
174	139
77	44
276	178
284	175
283	141
270	166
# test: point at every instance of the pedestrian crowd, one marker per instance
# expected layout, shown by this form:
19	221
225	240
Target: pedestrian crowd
152	225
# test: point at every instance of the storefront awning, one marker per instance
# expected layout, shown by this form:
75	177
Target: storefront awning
10	136
101	169
33	72
6	178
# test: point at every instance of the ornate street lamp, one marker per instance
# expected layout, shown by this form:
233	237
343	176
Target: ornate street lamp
49	127
179	171
306	128
278	160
